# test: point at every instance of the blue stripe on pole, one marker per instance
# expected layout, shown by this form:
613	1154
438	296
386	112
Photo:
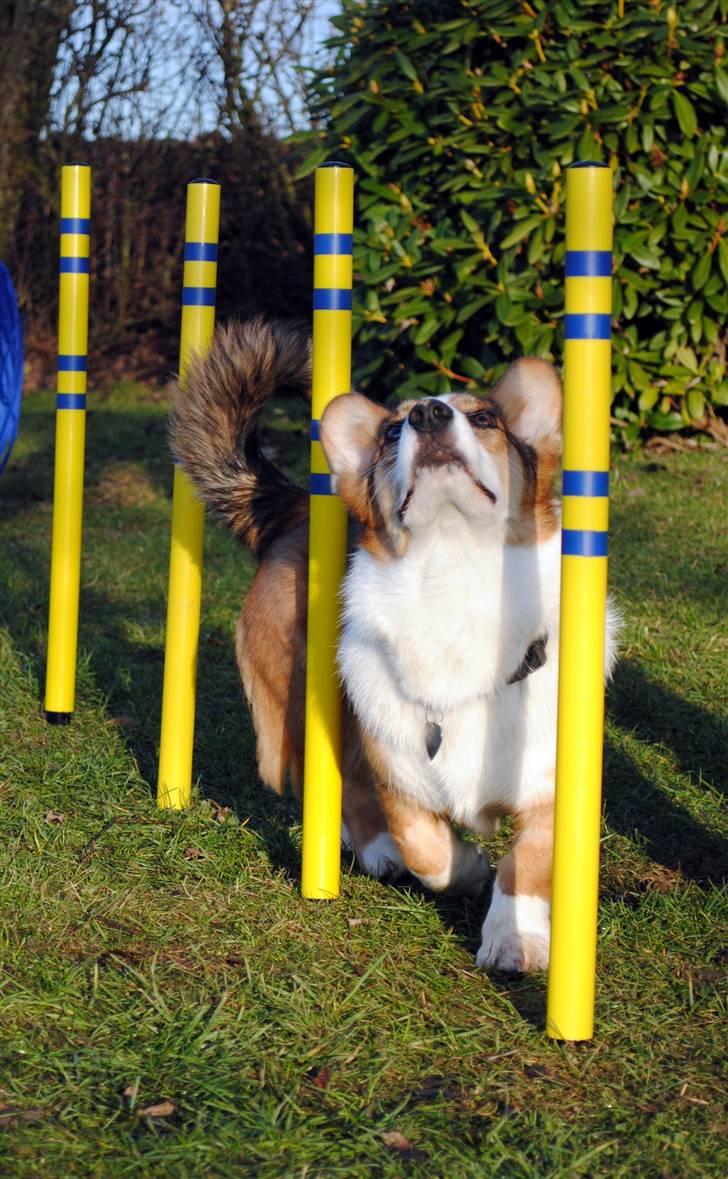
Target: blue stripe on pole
332	299
74	265
200	252
71	401
72	364
588	263
198	296
320	485
75	225
589	326
332	243
580	542
314	432
585	483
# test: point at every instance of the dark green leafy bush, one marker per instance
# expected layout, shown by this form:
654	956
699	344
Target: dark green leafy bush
460	117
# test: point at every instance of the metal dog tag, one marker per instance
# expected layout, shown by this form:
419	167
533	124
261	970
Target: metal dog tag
433	738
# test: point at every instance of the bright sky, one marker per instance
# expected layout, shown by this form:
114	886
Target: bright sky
166	105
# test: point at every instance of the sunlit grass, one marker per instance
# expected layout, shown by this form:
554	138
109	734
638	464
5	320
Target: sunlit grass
166	962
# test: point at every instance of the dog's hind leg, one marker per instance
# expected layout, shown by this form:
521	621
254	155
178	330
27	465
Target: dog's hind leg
365	826
516	930
270	645
430	848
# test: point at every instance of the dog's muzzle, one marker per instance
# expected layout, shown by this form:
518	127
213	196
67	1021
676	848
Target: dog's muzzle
428	417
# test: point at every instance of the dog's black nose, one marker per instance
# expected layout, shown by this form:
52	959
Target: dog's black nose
427	417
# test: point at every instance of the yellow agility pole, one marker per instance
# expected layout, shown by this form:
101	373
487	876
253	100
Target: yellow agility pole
188	518
333	227
70	443
587	395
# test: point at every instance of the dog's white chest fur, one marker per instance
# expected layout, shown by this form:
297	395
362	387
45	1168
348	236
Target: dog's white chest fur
437	634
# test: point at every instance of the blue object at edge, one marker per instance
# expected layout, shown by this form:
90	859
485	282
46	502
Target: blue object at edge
11	365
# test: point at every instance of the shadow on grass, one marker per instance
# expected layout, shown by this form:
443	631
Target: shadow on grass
670	835
639	527
224	764
112	435
658	716
464	916
129	675
635	807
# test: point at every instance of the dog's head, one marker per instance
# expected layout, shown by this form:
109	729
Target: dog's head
491	459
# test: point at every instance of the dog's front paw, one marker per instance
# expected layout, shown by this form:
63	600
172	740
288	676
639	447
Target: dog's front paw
381	858
516	934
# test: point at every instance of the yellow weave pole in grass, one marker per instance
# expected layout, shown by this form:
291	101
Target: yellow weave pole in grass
587	395
70	443
333	227
188	517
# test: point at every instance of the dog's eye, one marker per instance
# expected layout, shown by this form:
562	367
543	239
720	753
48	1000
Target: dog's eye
484	419
392	433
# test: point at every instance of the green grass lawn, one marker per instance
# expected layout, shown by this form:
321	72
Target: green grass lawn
170	1006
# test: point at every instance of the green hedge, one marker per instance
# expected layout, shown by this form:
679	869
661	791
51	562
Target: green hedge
460	116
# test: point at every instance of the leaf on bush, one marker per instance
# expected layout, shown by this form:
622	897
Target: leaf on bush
647	399
687	357
665	421
520	230
684	113
406	66
723	257
721	82
312	161
426	329
701	271
442	182
695	404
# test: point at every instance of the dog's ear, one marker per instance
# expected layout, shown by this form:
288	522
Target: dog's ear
529	396
350	435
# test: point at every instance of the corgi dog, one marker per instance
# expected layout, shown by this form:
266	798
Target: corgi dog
448	649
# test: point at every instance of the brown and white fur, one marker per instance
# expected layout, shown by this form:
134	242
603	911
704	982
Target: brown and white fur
453	573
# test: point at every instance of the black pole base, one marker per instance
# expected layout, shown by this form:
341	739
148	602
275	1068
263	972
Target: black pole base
58	718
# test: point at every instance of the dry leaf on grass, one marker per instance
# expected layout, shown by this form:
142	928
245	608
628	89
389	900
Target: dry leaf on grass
195	853
161	1109
15	1115
52	817
219	813
320	1077
404	1148
437	1086
396	1140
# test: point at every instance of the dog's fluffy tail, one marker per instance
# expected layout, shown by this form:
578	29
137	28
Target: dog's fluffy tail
212	427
